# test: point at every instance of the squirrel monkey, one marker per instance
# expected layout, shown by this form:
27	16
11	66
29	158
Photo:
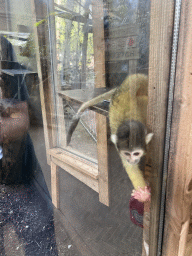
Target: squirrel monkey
127	119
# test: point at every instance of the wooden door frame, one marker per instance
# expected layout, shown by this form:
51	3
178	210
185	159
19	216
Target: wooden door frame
160	45
179	179
179	172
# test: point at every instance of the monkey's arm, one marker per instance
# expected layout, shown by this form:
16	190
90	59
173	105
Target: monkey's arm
84	106
135	175
141	191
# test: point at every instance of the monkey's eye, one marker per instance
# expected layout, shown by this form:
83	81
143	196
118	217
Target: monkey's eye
136	154
127	154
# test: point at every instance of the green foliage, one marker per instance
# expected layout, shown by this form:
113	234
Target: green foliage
76	36
60	32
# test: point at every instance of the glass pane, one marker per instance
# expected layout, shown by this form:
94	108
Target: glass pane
126	37
85	226
127	52
75	69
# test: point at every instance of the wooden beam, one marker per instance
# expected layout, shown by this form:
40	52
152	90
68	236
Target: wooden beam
82	165
161	26
55	184
102	153
59	133
98	43
42	47
68	14
87	180
101	121
179	181
40	76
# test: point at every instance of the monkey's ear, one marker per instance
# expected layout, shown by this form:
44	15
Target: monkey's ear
148	137
114	138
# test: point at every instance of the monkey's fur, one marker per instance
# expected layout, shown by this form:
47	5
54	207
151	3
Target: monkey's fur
127	119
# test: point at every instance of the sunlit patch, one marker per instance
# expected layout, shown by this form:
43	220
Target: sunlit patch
1	152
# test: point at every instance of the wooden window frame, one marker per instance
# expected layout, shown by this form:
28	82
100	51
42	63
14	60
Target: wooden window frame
95	175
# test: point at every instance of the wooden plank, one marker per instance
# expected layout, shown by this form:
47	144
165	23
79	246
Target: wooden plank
55	184
124	31
83	165
88	180
123	43
13	72
84	52
98	43
129	54
99	60
81	155
59	134
75	16
161	26
44	79
179	189
102	154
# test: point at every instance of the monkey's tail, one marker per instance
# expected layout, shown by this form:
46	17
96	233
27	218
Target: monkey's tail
96	100
84	106
72	128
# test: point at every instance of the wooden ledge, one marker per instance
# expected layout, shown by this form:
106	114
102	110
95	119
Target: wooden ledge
82	165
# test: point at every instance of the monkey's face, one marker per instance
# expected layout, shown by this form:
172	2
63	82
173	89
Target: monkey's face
131	140
132	157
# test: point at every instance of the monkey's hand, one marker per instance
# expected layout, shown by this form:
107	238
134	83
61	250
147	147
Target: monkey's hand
142	194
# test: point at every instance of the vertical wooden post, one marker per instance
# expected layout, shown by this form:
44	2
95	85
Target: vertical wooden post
59	132
55	184
84	54
179	181
39	11
101	121
161	26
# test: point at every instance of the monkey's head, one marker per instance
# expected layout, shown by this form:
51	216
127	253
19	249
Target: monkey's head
131	141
